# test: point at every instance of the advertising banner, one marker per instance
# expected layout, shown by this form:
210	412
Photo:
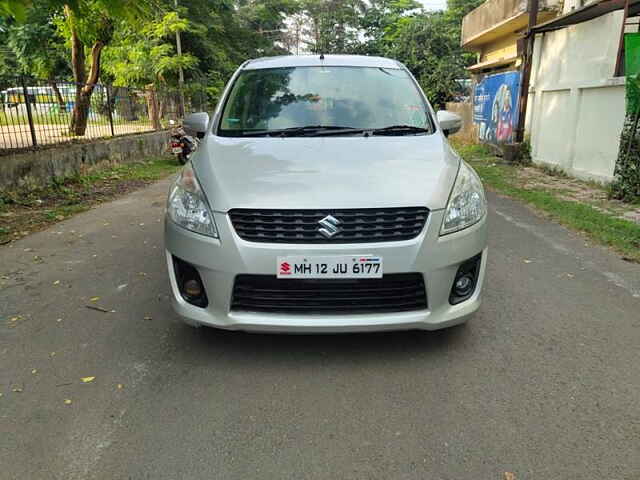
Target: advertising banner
495	107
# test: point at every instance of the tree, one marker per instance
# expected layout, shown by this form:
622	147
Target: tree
428	43
146	54
380	23
37	50
333	25
92	22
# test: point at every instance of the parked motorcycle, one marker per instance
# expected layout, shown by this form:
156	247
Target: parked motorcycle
181	144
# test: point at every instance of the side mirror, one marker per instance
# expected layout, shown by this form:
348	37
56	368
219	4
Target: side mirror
449	122
196	124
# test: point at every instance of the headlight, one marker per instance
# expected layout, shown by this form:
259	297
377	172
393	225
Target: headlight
467	204
187	206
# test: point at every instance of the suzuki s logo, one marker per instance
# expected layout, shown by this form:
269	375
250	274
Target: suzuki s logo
285	268
329	226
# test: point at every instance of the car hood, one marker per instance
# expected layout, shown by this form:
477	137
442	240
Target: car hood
326	172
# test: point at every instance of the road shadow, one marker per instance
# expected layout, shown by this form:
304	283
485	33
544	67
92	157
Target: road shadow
210	344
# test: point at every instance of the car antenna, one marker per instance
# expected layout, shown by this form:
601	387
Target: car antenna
322	56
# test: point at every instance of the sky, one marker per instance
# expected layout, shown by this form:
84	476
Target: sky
434	4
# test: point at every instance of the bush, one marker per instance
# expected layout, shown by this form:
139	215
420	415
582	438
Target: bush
626	184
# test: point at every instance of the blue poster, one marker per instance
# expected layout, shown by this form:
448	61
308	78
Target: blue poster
495	107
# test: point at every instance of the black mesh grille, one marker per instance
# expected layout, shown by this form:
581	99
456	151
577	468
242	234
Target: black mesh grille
391	293
357	225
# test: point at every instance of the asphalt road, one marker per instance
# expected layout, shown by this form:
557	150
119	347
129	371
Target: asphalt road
544	382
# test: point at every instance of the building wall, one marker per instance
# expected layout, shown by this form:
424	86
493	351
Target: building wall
504	47
576	107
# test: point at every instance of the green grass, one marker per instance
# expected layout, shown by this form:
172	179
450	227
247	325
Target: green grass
604	228
74	189
148	171
11	117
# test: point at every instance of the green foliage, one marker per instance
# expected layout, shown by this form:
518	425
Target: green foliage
428	46
140	56
14	8
35	45
626	185
381	21
428	43
333	25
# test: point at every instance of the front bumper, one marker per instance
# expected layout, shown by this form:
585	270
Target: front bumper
219	261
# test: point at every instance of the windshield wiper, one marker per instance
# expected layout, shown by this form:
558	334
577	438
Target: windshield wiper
307	130
399	129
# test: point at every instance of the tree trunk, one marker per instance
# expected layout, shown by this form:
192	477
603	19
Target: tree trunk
83	98
84	84
77	65
152	107
163	106
59	99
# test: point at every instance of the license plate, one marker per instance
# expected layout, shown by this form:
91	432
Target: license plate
176	149
343	266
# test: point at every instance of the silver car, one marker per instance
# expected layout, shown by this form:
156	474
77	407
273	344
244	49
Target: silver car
325	197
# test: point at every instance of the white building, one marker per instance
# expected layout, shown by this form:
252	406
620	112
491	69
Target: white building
576	104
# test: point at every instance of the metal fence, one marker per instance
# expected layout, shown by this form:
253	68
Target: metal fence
35	112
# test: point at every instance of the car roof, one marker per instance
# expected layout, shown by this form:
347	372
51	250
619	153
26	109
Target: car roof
315	61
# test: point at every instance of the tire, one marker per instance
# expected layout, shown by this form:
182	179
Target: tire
182	158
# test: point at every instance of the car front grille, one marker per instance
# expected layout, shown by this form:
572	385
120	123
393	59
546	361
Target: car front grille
398	292
355	225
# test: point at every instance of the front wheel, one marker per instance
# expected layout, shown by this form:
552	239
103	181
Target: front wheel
182	158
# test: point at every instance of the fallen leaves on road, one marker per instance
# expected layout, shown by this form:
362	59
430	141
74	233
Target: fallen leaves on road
53	354
57	282
34	371
120	386
94	299
67	401
87	379
526	260
509	476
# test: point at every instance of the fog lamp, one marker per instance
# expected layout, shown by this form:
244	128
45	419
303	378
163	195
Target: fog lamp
465	281
464	285
192	288
189	283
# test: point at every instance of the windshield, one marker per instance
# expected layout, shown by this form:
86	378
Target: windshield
348	97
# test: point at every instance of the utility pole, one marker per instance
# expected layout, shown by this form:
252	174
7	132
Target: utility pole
180	72
526	72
